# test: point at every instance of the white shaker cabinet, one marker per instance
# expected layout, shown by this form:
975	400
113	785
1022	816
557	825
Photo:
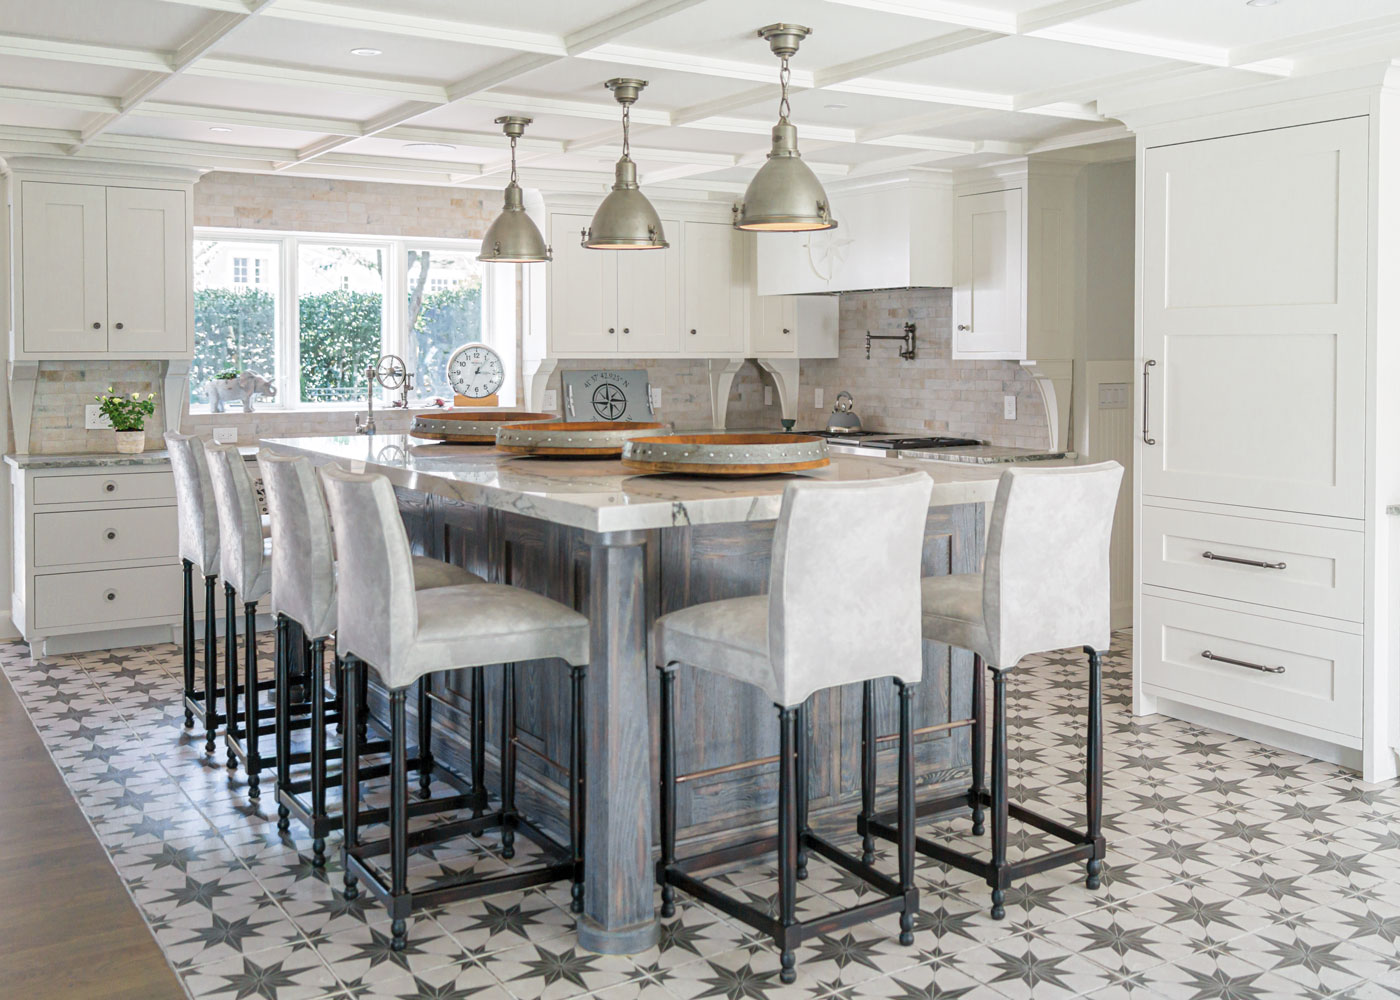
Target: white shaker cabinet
989	278
1254	305
64	253
804	326
147	260
716	288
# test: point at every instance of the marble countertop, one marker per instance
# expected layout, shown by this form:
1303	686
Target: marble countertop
599	494
98	460
989	454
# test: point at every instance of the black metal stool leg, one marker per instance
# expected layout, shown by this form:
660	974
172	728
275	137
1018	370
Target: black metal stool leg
318	747
668	786
231	670
577	787
801	789
979	743
253	764
508	736
787	839
281	689
187	635
211	665
906	813
425	737
999	792
350	773
1093	776
338	675
362	696
478	726
398	812
867	769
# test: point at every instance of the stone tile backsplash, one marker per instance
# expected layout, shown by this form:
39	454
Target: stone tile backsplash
66	387
685	392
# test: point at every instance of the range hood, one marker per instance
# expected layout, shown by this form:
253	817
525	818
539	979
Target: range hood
893	234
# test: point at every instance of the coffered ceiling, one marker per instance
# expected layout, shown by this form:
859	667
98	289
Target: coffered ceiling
406	90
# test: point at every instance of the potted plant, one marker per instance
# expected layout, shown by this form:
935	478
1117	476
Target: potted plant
128	416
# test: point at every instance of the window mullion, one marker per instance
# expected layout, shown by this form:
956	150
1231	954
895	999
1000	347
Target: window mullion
289	339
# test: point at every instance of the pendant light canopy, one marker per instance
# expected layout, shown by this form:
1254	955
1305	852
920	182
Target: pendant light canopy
625	220
514	238
784	196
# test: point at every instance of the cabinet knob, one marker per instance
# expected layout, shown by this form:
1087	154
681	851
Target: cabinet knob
110	535
612	330
964	326
119	326
97	326
692	333
626	329
110	487
786	330
111	595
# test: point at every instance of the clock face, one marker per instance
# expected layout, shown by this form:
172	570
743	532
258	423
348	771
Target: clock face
475	371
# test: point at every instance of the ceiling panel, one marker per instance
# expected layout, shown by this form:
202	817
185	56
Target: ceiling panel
253	95
242	135
327	47
1018	64
667	90
480	117
1232	22
36	116
68	77
409	150
556	17
143	24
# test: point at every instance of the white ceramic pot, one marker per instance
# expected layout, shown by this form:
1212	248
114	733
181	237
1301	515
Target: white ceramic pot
131	442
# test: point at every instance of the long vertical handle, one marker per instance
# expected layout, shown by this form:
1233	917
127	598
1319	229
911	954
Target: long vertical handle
1146	438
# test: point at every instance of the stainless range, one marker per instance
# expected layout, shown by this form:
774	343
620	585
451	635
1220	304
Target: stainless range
884	443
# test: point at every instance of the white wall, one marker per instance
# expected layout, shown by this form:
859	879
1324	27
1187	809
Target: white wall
7	628
1107	207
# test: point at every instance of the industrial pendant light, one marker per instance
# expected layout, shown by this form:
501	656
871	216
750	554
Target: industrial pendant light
514	238
784	196
625	220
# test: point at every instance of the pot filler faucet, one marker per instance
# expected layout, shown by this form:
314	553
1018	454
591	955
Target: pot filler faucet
906	338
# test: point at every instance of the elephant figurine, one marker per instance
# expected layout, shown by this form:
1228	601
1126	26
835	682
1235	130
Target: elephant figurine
242	387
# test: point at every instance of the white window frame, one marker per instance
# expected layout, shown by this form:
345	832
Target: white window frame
497	302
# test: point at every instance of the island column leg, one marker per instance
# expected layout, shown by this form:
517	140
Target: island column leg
618	915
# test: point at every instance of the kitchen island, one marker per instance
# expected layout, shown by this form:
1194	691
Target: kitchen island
624	549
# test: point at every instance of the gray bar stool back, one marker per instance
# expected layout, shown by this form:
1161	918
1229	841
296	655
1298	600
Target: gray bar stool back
843	607
246	568
1044	586
304	594
198	522
405	633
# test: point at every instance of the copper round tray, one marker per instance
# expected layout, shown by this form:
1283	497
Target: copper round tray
469	427
726	454
592	439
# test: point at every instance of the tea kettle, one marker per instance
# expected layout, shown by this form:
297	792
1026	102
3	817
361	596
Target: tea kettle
843	419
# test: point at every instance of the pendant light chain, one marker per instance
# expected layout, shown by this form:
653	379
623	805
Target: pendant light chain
784	75
626	129
512	159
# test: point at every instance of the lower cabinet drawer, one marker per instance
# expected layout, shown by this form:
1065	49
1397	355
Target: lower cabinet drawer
100	488
83	537
100	597
1312	676
1306	568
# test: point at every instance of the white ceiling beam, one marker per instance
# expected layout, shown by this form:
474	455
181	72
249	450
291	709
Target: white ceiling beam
210	34
637	16
1355	32
385	20
31	47
58	99
1051	14
965	15
252	119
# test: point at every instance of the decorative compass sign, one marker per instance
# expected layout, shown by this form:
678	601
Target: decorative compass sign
608	394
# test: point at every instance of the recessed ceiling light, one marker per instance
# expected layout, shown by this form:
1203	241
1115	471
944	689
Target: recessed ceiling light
219	128
836	107
433	147
366	52
1260	3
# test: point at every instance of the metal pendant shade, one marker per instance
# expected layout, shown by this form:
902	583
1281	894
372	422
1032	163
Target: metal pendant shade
513	237
625	220
785	195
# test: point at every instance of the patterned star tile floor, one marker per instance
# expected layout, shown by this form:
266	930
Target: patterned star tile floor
1235	871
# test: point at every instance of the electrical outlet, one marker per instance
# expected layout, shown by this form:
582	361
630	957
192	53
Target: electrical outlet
93	420
817	398
654	397
551	400
1008	407
767	395
225	435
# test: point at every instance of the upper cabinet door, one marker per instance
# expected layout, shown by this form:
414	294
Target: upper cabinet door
649	297
775	325
582	291
65	268
715	286
147	264
1254	311
989	317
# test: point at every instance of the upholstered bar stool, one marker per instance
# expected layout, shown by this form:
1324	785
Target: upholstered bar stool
405	634
304	593
842	607
245	565
199	550
1044	586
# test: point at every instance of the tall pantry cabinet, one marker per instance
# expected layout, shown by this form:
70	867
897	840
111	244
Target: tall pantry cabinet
1267	450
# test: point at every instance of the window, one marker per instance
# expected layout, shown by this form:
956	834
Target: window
311	312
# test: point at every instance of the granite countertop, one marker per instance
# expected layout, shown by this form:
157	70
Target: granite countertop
99	460
989	454
601	495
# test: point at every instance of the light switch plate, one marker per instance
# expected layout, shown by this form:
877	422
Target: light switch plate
817	397
551	400
225	435
1008	407
654	397
93	420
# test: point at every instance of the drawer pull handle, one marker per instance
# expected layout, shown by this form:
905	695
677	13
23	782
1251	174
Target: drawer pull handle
111	595
1147	437
1245	562
1242	663
110	487
110	534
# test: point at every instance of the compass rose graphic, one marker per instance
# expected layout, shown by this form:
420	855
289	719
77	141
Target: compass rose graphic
609	402
826	251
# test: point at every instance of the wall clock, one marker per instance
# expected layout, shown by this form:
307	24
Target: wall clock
476	374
